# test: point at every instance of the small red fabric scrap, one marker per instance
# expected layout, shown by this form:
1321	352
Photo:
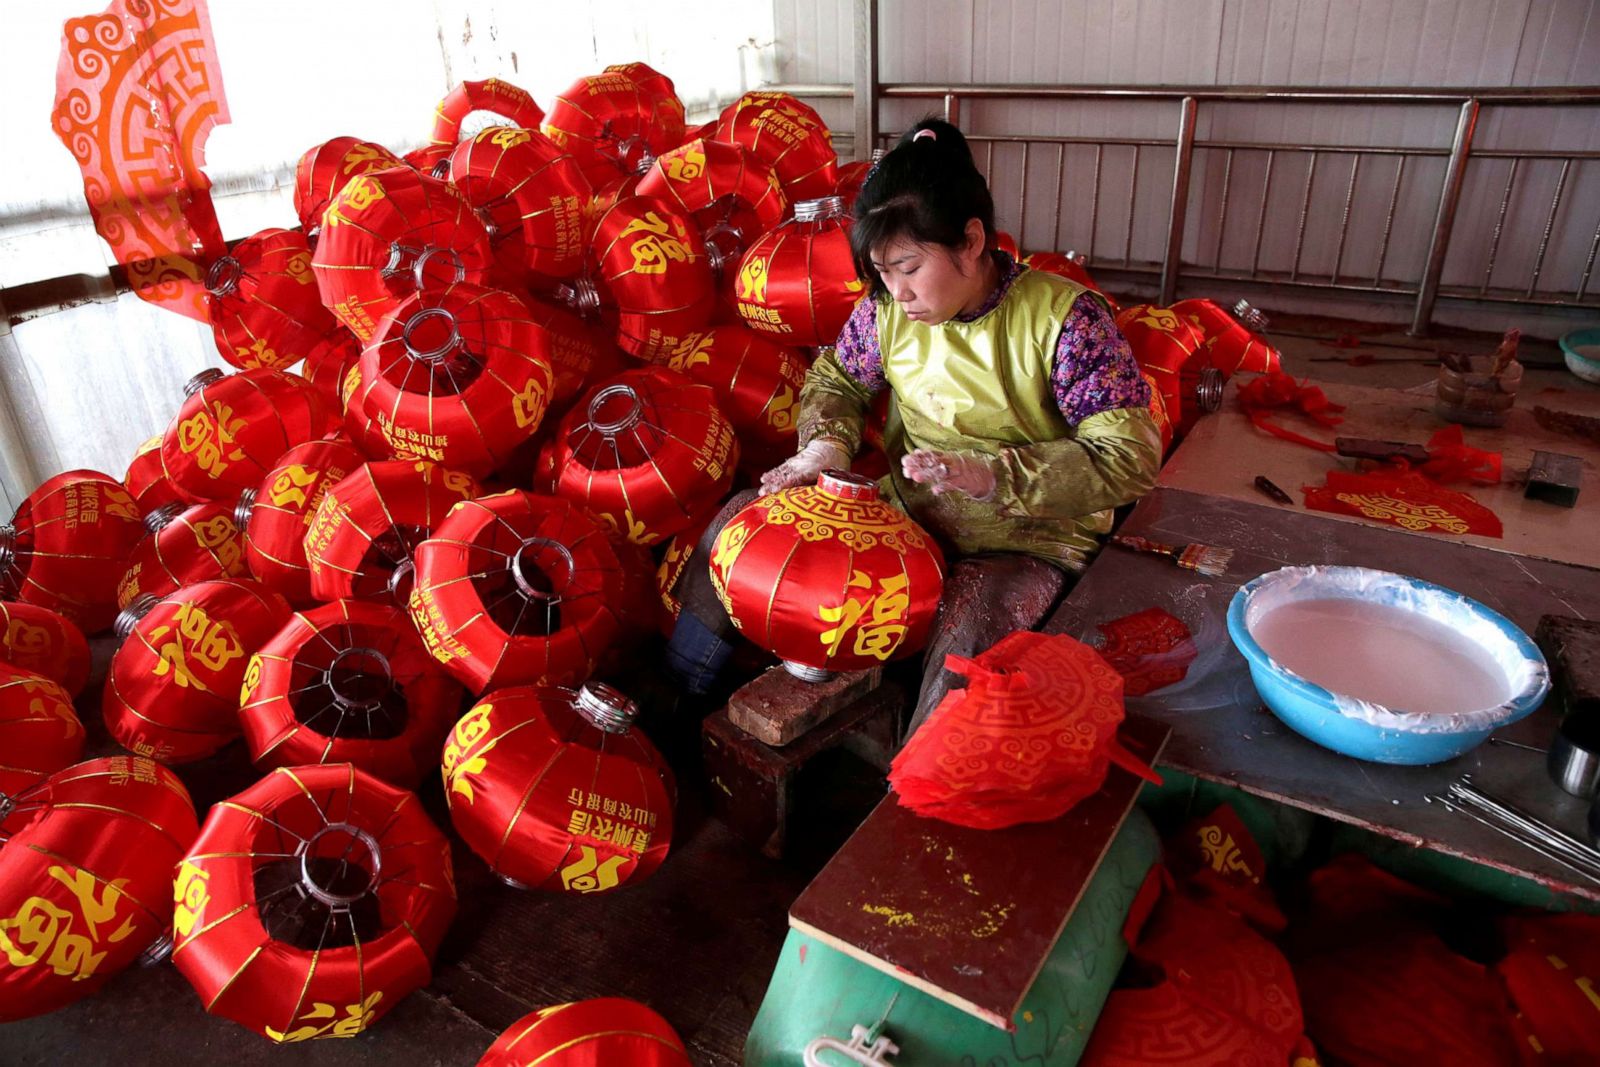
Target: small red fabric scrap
1403	498
1275	389
1151	649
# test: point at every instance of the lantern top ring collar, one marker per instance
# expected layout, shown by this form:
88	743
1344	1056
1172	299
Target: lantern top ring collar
847	485
532	549
606	707
8	804
826	207
8	545
223	276
342	661
421	319
629	417
333	899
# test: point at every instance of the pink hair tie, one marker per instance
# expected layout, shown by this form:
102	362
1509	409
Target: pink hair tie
920	134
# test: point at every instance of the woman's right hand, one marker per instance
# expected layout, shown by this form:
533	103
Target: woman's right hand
803	467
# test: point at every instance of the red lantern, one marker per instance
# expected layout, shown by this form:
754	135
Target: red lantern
45	642
787	134
554	790
329	364
389	233
278	515
520	588
86	878
184	546
666	110
67	545
674	561
1169	348
312	903
348	682
263	303
432	160
39	734
325	169
500	98
1232	342
531	195
590	1033
368	524
233	427
172	692
1069	265
147	480
651	262
732	196
578	353
757	383
852	176
798	282
828	577
647	451
457	375
611	123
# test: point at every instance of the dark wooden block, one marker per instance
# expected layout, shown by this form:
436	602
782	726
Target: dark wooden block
777	707
1571	646
1381	451
1555	478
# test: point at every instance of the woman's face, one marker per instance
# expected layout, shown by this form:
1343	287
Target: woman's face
932	283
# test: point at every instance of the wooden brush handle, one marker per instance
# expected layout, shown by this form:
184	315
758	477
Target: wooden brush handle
1141	544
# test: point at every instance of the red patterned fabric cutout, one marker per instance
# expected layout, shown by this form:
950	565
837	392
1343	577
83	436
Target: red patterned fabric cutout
1405	499
1151	649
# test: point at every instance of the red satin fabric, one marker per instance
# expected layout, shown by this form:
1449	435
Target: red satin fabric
1551	971
578	353
672	560
757	382
1230	346
829	576
138	90
45	642
1151	649
549	800
197	544
661	97
328	368
647	451
789	136
458	375
491	94
732	196
147	480
289	704
369	523
532	193
172	692
1219	863
286	501
380	230
607	1032
73	536
263	302
86	863
279	989
227	436
1068	268
325	168
1275	389
610	121
1451	459
476	619
651	263
852	176
39	729
1405	499
798	282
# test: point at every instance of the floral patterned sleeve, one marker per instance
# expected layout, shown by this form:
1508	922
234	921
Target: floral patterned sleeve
1094	370
857	351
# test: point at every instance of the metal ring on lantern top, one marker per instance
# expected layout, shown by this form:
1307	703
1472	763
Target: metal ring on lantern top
422	318
824	207
201	380
340	902
606	707
1251	317
582	296
129	616
223	276
8	545
347	701
1208	390
162	517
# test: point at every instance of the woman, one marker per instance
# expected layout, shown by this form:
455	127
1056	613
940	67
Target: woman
1017	416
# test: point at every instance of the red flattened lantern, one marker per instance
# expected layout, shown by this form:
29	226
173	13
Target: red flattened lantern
45	642
348	682
530	195
312	903
1233	342
798	282
278	515
389	233
612	124
499	98
732	196
649	259
325	168
608	1030
457	375
233	427
368	524
553	789
647	451
757	383
67	545
185	545
827	577
263	302
39	734
86	861
787	134
1170	350
520	589
172	692
147	479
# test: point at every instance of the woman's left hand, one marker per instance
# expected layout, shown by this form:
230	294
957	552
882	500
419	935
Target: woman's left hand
945	472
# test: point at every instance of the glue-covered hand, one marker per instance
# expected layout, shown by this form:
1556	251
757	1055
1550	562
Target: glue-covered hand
945	472
803	467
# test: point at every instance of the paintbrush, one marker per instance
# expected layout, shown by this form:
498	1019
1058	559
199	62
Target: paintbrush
1204	559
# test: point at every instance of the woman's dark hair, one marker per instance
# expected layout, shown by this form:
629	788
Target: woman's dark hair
925	189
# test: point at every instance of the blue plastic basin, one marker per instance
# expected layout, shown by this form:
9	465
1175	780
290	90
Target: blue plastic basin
1584	366
1368	731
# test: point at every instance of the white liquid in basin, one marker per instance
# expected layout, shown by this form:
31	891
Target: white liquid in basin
1381	654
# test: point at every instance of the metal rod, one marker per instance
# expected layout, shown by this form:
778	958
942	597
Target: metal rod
1305	211
1222	221
1449	197
866	76
1094	203
1061	171
1022	200
1499	224
1580	852
1506	831
1177	213
1588	267
1261	219
1133	193
1344	222
1549	224
952	109
1388	222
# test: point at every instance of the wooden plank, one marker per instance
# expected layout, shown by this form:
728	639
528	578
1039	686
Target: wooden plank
967	916
1223	733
